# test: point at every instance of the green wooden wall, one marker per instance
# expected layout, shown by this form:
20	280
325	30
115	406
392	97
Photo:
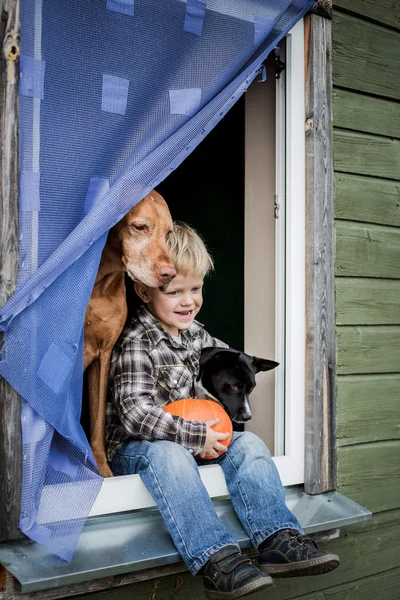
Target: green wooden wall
366	95
366	142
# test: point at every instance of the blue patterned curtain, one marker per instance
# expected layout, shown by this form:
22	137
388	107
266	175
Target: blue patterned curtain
114	95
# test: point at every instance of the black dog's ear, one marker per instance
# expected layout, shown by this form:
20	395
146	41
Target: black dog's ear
219	354
263	364
208	353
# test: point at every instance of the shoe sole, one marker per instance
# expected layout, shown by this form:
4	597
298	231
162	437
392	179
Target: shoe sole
315	566
255	586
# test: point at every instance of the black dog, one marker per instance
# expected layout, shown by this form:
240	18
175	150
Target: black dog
228	376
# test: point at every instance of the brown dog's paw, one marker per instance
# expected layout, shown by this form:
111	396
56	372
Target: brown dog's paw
105	471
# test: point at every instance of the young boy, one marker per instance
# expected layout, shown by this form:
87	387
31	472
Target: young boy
155	362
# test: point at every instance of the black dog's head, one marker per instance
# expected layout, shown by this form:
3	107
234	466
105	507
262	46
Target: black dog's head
228	376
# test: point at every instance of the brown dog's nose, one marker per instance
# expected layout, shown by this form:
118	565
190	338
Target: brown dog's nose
167	272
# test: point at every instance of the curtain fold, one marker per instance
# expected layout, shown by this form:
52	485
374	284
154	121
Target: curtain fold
114	95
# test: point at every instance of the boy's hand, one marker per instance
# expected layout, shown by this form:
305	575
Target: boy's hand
213	441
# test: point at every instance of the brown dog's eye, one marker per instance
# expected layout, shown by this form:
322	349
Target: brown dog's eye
234	388
139	227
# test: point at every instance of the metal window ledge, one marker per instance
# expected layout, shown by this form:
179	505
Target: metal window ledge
130	542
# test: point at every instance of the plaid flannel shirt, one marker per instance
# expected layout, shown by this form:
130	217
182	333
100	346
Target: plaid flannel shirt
149	370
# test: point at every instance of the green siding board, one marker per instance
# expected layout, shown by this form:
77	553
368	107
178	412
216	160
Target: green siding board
370	474
363	154
365	56
361	301
366	114
359	198
385	585
367	250
368	408
365	61
386	12
364	550
368	349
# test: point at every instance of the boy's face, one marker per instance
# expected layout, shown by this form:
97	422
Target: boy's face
176	306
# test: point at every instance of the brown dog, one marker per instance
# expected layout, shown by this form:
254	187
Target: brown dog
136	245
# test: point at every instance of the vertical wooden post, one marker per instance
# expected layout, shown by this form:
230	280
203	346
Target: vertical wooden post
10	428
320	443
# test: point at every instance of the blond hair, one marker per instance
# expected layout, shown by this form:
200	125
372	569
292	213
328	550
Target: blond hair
188	251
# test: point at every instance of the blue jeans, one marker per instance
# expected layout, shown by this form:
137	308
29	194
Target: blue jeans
171	475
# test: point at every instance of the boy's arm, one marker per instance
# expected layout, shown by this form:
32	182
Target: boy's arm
139	403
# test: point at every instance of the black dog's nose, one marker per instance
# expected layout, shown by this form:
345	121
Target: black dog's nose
246	413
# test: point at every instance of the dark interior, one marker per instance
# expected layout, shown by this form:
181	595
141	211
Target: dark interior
207	192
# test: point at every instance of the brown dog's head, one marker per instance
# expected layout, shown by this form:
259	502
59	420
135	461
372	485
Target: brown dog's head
142	236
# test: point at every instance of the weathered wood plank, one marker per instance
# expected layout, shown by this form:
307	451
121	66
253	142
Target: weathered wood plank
386	12
366	154
323	8
367	199
364	551
384	586
320	451
139	579
365	113
361	301
370	474
363	350
368	408
10	434
365	56
367	250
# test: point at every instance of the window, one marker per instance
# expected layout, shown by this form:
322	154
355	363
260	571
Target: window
284	319
300	395
275	320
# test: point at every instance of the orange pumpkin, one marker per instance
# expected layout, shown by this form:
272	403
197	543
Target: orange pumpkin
194	409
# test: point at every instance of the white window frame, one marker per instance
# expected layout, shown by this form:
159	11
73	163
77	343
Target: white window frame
290	273
126	493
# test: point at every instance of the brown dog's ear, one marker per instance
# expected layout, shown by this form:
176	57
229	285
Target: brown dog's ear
263	364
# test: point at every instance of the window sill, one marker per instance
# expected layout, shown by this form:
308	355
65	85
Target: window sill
138	541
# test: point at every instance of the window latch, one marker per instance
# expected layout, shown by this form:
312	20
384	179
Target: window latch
276	207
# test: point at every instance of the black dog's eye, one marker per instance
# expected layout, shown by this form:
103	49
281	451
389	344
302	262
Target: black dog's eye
234	387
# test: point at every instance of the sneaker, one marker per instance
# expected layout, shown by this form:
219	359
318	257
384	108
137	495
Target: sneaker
289	553
229	574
